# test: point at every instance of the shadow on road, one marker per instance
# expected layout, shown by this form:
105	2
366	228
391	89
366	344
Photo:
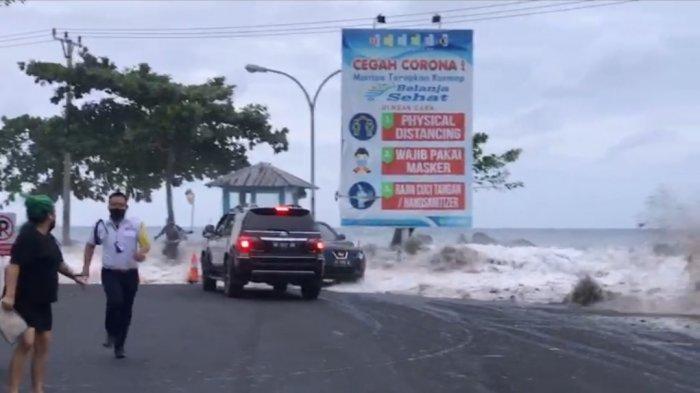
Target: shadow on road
266	294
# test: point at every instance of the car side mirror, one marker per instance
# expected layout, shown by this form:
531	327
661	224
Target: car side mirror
209	231
342	237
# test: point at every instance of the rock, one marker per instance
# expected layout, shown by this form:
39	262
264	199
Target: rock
482	238
417	242
586	292
412	245
451	258
521	243
423	238
666	250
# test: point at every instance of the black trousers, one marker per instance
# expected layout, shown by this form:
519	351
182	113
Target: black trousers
120	288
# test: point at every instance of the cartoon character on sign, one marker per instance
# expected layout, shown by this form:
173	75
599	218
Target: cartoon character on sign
362	160
362	195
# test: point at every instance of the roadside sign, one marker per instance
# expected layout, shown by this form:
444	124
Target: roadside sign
406	128
8	232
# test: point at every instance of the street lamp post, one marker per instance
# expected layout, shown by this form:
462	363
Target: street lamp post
252	68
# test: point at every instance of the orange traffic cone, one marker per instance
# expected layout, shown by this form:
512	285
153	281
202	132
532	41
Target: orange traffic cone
193	275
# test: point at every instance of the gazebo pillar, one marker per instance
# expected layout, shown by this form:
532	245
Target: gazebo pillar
241	198
226	199
253	197
282	198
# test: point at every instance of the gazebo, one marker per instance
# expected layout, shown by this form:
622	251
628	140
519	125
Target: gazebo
259	179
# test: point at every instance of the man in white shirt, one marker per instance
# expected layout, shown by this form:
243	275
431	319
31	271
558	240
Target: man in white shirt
125	244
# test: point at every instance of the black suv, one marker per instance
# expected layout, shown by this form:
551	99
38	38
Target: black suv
344	261
277	246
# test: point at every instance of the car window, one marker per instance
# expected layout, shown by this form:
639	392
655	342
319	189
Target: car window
228	225
225	225
326	232
267	219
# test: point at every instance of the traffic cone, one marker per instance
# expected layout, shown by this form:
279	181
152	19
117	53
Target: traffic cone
193	275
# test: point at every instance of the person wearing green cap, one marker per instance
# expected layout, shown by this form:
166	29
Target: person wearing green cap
32	285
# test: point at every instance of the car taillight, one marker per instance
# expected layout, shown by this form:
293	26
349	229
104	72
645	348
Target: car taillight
282	210
316	245
245	244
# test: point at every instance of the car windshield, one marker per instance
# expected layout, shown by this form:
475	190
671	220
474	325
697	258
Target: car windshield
272	220
327	233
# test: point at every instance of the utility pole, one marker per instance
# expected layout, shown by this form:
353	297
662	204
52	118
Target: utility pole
68	46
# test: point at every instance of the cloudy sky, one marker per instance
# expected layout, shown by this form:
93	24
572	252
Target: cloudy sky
604	101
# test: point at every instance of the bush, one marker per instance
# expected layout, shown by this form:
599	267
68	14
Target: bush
586	292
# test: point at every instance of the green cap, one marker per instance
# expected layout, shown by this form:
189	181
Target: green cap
38	206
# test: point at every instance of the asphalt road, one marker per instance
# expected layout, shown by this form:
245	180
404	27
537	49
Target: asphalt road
185	340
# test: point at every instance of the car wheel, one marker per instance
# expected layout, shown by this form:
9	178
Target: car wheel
208	283
311	291
233	287
280	288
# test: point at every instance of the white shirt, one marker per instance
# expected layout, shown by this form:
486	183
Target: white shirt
119	242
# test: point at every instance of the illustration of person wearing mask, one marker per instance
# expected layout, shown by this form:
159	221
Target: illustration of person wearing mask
362	160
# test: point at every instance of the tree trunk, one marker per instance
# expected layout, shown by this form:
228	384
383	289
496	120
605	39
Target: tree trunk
169	175
65	196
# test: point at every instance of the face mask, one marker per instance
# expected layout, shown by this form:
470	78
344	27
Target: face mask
117	214
52	226
362	162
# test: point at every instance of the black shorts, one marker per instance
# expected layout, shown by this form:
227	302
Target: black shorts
37	316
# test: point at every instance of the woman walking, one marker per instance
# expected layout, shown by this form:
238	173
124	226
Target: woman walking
31	287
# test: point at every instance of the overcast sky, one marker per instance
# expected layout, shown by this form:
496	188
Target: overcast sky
604	101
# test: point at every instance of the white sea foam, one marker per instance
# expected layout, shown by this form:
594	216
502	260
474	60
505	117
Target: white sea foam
632	277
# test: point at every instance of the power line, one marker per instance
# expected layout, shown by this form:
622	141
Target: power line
320	29
325	30
560	4
29	37
545	12
268	26
26	44
32	32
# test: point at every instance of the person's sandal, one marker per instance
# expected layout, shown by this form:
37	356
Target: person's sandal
119	353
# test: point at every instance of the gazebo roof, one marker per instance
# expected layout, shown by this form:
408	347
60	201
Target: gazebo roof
262	175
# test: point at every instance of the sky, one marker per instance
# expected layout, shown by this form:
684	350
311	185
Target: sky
603	101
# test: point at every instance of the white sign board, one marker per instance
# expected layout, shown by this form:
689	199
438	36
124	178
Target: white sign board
8	232
406	128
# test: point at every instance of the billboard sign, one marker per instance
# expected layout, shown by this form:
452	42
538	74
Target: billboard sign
406	128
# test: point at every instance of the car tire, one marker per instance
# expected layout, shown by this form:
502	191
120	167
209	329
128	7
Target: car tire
208	283
280	288
311	291
233	287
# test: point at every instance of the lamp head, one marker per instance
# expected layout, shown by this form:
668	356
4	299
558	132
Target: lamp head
255	68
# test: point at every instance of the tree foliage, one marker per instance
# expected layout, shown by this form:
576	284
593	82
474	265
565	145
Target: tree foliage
150	129
490	170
